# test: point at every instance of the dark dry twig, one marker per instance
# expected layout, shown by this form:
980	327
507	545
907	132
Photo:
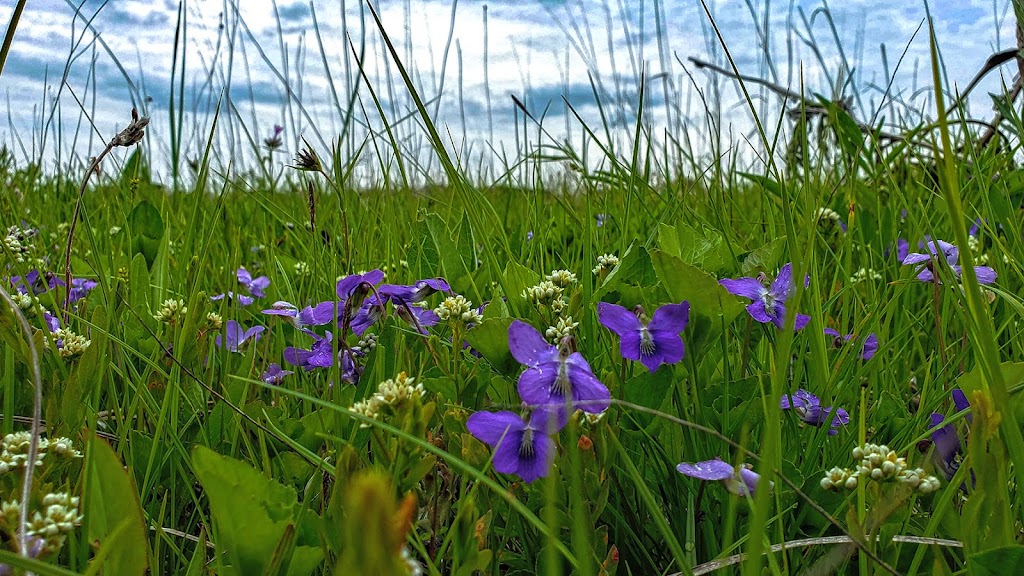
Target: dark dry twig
131	135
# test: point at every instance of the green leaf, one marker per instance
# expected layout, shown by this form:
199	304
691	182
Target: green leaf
648	389
147	230
764	259
1013	374
113	513
634	269
490	339
711	305
251	514
704	248
998	561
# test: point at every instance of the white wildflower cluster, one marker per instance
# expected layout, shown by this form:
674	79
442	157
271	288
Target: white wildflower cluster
24	301
864	275
366	344
605	264
171	311
977	248
18	243
458	309
414	567
561	278
214	320
14	450
562	328
302	269
47	529
827	217
881	464
544	293
390	394
69	344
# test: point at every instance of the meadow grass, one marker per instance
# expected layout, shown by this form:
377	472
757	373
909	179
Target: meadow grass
166	445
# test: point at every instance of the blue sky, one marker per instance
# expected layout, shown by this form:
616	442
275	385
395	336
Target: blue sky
538	51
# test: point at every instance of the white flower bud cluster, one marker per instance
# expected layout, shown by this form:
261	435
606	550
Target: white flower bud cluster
414	567
50	527
918	479
561	278
545	293
837	478
562	328
367	343
976	247
390	395
14	450
171	311
605	263
458	309
827	215
214	320
301	269
24	301
881	464
878	462
18	242
71	345
865	274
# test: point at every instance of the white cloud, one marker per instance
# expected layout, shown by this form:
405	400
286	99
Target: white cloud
536	52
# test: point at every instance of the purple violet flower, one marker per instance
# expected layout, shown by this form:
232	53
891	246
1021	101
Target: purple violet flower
255	286
868	349
35	282
52	322
80	288
652	344
353	283
236	336
946	440
242	299
414	293
274	374
322	313
523	448
554	375
741	482
768	303
808	408
417	316
320	354
951	254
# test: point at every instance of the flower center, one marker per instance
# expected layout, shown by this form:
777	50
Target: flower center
562	386
526	444
769	303
646	342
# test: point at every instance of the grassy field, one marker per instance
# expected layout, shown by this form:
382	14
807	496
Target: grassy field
601	367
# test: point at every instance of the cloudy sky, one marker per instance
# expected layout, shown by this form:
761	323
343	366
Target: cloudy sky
74	74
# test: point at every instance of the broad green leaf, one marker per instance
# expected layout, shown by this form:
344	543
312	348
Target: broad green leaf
764	259
1013	374
250	514
997	562
712	307
147	228
114	515
490	339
